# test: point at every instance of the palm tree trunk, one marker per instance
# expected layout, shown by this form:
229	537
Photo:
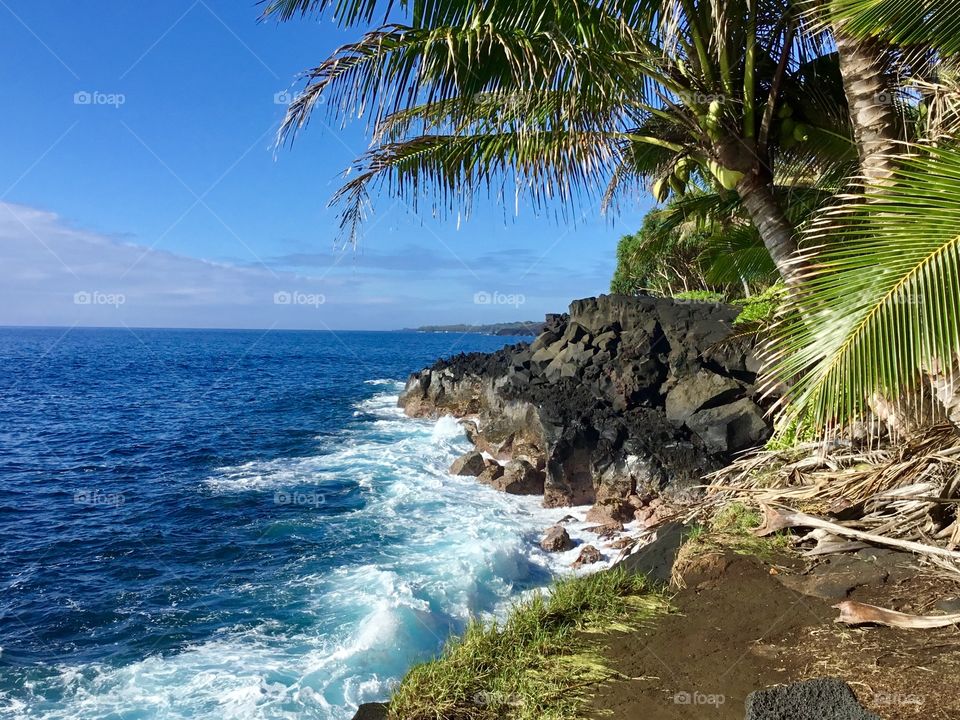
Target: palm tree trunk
774	228
873	113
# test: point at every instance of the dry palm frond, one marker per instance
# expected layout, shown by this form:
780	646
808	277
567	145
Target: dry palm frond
857	613
909	491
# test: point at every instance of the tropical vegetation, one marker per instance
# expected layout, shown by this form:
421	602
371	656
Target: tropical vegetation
680	249
810	141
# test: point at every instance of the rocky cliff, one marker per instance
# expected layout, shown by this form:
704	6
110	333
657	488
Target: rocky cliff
620	399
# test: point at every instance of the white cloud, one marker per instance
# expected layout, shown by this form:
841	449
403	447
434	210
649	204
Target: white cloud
54	274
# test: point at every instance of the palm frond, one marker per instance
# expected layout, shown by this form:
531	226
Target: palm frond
347	12
736	255
653	151
398	67
517	111
449	169
702	208
938	116
902	22
881	305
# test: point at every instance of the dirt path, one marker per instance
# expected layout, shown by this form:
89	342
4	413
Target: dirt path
739	629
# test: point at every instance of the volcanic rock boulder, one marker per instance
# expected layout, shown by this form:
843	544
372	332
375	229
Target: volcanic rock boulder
729	428
491	474
470	464
613	510
556	539
588	556
521	478
700	390
372	711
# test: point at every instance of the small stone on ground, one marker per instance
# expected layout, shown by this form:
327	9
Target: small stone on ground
819	699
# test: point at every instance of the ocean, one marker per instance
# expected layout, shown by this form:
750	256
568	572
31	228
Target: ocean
236	524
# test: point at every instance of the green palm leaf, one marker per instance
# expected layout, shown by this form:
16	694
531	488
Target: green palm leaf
449	169
902	22
881	306
348	12
737	255
396	68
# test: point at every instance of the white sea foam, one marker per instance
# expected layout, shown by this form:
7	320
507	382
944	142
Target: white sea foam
268	475
440	549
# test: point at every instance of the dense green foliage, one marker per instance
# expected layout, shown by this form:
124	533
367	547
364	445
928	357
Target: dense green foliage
759	311
660	263
701	296
679	250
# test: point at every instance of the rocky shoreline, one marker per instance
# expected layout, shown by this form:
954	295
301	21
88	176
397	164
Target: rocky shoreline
624	404
617	402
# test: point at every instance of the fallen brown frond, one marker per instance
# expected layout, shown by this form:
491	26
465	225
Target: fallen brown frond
909	491
858	613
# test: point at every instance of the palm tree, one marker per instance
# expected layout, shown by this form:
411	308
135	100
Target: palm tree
883	308
564	99
879	42
880	314
872	102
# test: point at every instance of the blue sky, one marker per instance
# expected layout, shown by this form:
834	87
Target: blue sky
141	186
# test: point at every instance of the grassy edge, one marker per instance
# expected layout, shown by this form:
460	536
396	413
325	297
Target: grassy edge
539	664
729	530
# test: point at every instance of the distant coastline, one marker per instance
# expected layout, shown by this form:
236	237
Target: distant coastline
531	328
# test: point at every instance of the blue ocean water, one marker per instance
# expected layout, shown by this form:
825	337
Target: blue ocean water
234	524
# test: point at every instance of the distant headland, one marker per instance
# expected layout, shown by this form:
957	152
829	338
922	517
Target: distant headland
531	328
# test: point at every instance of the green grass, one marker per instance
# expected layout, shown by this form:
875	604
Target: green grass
736	518
732	529
539	664
734	526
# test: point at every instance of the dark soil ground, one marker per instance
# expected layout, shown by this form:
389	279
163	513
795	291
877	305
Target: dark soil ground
743	624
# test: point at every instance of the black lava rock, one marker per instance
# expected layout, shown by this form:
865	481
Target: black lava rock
371	711
820	699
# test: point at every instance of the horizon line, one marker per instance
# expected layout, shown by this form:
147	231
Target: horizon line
243	329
